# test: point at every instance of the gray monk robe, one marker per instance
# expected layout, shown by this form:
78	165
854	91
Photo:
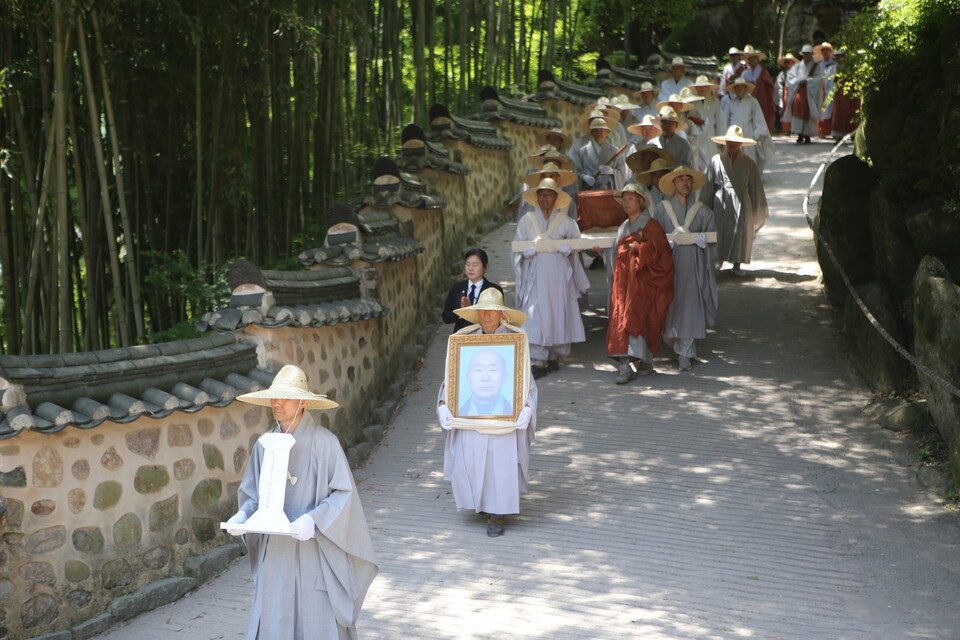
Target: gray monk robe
312	589
549	285
739	204
489	472
694	306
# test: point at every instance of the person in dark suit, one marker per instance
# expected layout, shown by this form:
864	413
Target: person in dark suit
466	292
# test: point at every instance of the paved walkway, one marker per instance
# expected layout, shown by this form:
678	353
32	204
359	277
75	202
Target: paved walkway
749	498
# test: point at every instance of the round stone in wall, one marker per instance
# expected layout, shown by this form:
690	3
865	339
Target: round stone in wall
39	572
13	518
111	460
43	507
179	435
157	558
183	469
107	494
78	599
47	468
182	536
6	589
228	428
239	459
206	493
71	443
164	513
47	539
76	571
151	478
251	417
76	500
88	539
204	529
145	442
212	456
96	438
205	426
81	469
127	531
116	573
39	611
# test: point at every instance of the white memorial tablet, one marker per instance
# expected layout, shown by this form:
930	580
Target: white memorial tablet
272	487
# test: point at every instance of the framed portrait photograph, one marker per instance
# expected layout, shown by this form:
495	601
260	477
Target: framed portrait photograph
485	375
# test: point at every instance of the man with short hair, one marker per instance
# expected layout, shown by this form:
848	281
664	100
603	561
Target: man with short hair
676	81
690	228
804	92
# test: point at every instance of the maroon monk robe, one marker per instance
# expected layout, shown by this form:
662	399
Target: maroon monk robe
845	108
642	289
763	92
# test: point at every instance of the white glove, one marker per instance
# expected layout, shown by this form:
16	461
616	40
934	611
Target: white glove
523	420
672	244
303	528
445	417
588	179
565	249
700	241
238	518
606	170
529	252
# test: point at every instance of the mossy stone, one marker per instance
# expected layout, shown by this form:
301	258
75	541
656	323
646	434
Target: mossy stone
76	571
116	573
47	539
127	531
164	513
206	493
88	539
151	478
204	529
212	457
183	469
107	495
157	558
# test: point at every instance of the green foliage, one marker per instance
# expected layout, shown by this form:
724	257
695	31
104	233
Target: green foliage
172	281
893	36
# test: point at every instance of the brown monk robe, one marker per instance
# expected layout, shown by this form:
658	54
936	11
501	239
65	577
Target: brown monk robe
642	287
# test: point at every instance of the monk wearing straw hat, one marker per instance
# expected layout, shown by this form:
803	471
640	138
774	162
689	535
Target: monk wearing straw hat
691	230
488	461
328	546
735	193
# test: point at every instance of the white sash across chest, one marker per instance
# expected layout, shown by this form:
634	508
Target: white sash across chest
681	233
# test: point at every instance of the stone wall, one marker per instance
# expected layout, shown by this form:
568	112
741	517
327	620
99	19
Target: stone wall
489	186
568	113
94	515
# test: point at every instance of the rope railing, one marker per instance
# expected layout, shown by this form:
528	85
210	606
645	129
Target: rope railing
904	353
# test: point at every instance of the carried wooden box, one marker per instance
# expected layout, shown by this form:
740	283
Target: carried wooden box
599	209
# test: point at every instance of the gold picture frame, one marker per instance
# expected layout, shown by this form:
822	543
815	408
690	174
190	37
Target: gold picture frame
485	375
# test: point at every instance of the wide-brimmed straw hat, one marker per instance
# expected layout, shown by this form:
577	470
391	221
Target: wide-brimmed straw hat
549	154
588	121
818	49
637	161
806	49
669	113
733	51
750	52
666	182
688	95
789	56
647	121
675	98
740	82
490	299
290	383
734	134
541	138
564	177
636	188
678	62
702	81
563	198
623	103
657	165
644	87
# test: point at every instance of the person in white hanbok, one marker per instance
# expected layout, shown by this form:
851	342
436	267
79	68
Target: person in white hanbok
676	81
731	70
310	583
743	110
735	193
646	99
687	222
805	78
550	279
488	463
824	53
780	91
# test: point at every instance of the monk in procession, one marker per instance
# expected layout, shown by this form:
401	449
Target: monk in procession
735	193
642	287
488	461
312	582
690	228
550	279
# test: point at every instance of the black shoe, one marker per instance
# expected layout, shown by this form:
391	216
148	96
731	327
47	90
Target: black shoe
808	140
538	372
553	365
597	263
799	139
